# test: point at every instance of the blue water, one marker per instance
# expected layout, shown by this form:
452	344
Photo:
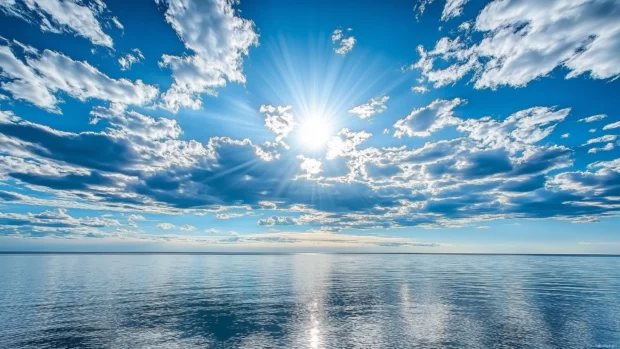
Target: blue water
309	301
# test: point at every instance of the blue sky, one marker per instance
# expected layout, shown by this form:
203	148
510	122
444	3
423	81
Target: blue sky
428	126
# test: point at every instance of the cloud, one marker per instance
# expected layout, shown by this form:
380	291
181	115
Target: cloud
345	41
422	122
612	126
217	38
607	147
312	167
519	44
165	226
452	8
601	139
117	23
61	16
527	126
374	106
132	220
130	59
420	89
502	168
277	220
229	215
345	143
187	227
565	135
593	118
55	222
42	76
278	120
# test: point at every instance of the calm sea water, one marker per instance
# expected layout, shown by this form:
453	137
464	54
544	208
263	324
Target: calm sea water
309	301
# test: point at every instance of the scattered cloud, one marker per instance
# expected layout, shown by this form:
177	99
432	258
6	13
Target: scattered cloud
374	106
612	126
40	77
58	16
519	45
344	40
165	226
602	139
422	122
593	118
441	169
278	120
217	39
130	59
420	89
452	8
187	227
607	147
117	23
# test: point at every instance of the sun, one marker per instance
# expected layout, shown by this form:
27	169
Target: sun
314	132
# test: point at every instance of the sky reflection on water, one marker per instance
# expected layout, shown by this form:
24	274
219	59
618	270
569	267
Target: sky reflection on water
308	301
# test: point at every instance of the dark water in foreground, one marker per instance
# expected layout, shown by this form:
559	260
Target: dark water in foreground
309	301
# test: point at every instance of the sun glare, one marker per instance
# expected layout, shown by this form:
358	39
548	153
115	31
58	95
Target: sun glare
314	132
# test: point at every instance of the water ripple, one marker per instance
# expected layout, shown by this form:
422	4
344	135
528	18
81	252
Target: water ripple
309	301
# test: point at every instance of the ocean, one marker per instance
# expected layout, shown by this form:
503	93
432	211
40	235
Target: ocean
308	301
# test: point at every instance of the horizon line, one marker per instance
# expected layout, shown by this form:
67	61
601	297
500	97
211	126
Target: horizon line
301	253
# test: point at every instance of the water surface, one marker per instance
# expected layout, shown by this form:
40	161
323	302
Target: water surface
309	301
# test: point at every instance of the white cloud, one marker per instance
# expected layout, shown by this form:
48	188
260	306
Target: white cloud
592	130
27	84
55	222
278	120
422	122
277	220
337	35
132	220
229	215
375	105
131	124
312	167
420	89
60	16
602	139
607	147
593	118
566	135
187	227
612	126
42	76
26	48
218	39
345	143
525	127
452	8
346	41
523	43
165	226
117	23
130	59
